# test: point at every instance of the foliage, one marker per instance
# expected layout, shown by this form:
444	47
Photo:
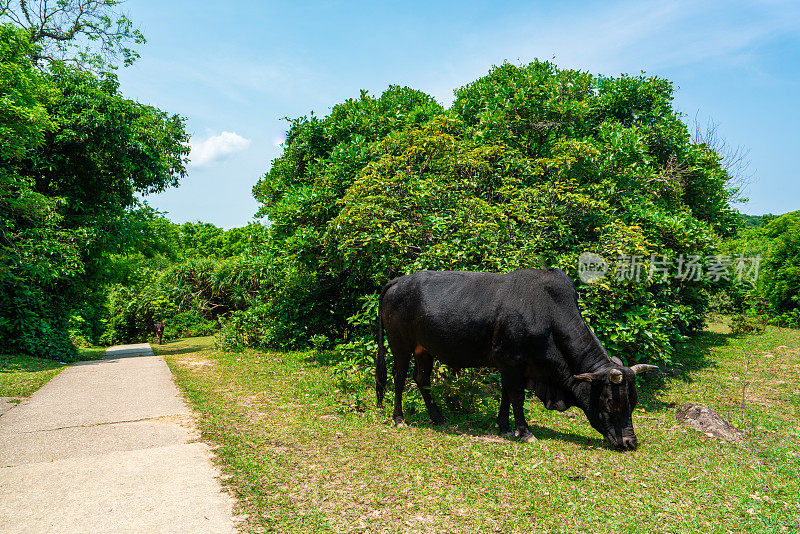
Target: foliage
190	297
782	268
88	33
754	221
191	276
37	255
77	154
531	166
207	240
244	328
774	296
741	325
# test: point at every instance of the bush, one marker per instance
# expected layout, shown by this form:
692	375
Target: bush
774	296
742	325
531	166
189	324
782	267
192	298
790	319
244	328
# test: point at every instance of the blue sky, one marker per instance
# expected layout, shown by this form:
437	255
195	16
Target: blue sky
235	69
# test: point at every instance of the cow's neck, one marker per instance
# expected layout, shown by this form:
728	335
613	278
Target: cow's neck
580	347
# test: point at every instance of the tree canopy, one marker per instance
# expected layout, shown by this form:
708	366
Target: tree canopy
531	166
74	155
90	34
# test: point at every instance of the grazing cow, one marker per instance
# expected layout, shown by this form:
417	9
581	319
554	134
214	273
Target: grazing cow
158	328
526	324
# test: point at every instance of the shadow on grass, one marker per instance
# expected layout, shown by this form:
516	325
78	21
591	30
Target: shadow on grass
177	347
689	358
11	363
479	422
541	433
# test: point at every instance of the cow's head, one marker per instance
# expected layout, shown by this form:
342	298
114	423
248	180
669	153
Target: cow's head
612	400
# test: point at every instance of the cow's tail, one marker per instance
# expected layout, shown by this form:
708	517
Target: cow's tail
380	358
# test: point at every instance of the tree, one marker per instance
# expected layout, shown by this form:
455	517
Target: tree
106	148
36	254
78	152
531	166
782	267
92	34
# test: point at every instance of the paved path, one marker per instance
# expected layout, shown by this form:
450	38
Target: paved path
108	446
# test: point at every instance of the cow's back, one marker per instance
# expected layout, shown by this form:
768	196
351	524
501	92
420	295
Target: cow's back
462	317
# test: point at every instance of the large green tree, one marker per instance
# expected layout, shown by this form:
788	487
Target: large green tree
80	153
36	253
530	166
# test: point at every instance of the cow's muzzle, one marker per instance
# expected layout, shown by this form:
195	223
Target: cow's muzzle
625	443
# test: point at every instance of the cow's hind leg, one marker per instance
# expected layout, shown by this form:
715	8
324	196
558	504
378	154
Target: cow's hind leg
514	384
423	366
402	358
503	427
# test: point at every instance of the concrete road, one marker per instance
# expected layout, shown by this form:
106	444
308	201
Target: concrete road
108	446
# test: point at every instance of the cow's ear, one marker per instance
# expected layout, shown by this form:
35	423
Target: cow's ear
586	377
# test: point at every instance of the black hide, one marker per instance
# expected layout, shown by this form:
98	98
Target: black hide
525	323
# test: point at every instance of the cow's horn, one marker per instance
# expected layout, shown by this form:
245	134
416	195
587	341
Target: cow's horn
640	368
615	375
586	377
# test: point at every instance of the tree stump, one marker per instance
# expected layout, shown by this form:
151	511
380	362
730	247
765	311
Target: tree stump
708	422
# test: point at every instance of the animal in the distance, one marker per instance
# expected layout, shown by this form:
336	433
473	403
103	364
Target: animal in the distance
525	323
158	328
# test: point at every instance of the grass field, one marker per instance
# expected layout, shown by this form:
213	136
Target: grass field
302	455
21	375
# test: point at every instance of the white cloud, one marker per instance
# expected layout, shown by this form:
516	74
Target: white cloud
217	148
278	140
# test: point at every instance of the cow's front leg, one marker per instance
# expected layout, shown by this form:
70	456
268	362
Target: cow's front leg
503	427
514	384
423	366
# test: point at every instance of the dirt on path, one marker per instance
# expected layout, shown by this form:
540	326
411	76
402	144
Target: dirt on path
108	446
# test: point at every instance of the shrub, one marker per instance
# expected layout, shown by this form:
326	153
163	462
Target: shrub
531	166
244	328
782	267
192	298
742	325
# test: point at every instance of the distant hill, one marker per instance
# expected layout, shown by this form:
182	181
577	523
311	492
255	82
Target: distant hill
754	221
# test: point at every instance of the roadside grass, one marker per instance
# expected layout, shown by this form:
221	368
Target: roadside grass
304	452
21	375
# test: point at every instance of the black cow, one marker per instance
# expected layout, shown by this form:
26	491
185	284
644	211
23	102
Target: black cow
526	324
158	328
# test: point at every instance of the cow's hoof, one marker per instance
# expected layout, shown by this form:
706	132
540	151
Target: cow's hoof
525	435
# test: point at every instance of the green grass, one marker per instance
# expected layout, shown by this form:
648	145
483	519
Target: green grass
21	375
302	455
